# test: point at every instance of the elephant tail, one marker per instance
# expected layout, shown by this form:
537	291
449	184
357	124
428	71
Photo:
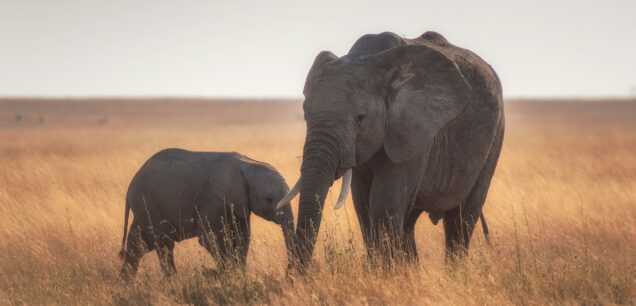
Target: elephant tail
484	227
122	253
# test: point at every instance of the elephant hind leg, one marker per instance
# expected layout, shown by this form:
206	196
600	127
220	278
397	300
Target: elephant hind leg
458	228
459	223
136	247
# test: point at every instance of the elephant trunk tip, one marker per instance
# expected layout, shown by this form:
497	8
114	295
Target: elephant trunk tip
122	254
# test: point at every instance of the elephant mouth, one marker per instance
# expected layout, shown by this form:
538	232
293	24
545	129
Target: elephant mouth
346	175
340	171
342	168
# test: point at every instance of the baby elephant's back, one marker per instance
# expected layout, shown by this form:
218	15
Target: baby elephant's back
170	181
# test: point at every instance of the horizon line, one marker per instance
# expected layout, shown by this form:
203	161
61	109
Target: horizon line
275	98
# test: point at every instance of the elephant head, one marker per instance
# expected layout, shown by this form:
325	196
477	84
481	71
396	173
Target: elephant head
394	98
266	188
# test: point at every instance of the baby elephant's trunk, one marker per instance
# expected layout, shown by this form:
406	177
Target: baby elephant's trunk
285	217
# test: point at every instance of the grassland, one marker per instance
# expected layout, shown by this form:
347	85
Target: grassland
561	209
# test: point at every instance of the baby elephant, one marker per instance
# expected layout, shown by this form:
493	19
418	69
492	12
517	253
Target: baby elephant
178	194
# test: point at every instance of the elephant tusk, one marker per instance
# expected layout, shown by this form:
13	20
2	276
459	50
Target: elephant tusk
344	190
290	195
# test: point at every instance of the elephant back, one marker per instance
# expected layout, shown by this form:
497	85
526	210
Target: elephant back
371	44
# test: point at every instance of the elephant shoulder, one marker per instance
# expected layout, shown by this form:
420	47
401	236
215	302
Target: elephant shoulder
371	44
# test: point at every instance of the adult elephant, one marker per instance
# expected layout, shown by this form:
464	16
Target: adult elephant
413	125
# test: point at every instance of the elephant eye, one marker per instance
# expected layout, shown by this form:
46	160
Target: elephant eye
360	117
268	199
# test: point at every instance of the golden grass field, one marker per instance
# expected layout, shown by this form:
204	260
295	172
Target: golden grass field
561	209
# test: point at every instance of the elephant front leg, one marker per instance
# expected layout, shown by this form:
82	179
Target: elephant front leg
226	239
165	252
232	244
360	191
391	198
210	233
240	241
409	235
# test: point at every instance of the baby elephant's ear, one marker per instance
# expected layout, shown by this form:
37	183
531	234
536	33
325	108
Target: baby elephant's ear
427	90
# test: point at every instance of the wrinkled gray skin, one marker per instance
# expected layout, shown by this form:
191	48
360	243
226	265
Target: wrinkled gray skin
178	194
421	123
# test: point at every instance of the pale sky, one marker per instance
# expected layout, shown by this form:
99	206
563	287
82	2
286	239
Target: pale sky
74	48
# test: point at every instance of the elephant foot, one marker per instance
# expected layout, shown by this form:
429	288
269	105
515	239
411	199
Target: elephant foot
127	273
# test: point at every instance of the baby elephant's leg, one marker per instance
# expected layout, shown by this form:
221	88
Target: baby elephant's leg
136	247
226	238
241	240
210	235
234	232
165	252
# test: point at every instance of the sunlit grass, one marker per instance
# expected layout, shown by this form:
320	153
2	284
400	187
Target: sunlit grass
562	211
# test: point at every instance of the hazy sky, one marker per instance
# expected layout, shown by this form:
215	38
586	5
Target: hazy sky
265	48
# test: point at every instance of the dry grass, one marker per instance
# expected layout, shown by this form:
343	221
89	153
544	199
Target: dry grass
562	210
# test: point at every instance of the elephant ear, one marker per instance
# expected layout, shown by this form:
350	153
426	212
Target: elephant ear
426	91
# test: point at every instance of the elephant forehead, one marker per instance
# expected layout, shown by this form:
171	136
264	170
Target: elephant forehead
322	107
334	80
339	87
326	91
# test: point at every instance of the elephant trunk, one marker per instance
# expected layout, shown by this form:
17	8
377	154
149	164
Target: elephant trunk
285	217
318	170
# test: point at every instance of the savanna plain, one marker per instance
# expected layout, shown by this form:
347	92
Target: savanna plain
561	210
